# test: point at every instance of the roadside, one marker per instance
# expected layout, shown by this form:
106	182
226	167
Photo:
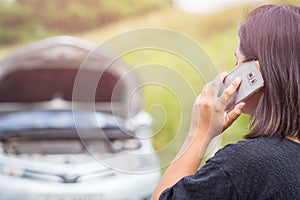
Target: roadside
204	7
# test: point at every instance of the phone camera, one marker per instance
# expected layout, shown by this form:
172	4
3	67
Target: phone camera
251	76
252	81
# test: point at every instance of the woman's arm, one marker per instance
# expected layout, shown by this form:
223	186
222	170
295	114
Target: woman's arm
208	120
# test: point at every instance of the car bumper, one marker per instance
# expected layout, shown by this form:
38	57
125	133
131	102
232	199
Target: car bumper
121	186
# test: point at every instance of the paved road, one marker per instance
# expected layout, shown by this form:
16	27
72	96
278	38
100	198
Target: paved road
210	6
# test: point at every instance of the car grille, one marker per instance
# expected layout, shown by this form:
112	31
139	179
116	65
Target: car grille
68	177
71	197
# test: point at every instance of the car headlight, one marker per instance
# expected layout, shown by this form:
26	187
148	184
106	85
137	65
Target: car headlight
11	170
129	162
1	168
141	120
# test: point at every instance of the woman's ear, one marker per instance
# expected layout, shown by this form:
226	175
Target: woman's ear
258	65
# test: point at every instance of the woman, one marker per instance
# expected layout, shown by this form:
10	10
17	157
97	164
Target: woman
267	165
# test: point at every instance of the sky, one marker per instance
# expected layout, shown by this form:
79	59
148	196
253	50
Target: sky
209	6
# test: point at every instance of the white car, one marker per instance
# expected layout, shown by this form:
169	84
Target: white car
53	146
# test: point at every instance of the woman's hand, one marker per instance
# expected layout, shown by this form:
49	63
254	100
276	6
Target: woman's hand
208	114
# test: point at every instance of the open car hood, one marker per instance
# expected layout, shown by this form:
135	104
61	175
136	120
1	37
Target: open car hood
19	121
61	124
42	76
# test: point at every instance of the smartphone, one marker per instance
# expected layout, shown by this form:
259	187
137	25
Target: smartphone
252	81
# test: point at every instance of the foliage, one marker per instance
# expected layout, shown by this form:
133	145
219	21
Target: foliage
15	23
22	20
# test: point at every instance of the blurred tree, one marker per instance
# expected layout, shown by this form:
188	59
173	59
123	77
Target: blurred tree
15	22
23	19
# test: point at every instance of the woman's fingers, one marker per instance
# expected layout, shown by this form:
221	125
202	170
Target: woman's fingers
233	115
229	91
223	75
209	110
214	86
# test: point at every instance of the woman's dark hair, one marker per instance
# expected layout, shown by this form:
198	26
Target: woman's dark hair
271	35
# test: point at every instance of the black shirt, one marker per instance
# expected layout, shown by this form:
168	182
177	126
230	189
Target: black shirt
261	168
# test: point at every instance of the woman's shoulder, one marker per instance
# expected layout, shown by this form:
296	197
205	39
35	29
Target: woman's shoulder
261	148
268	166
